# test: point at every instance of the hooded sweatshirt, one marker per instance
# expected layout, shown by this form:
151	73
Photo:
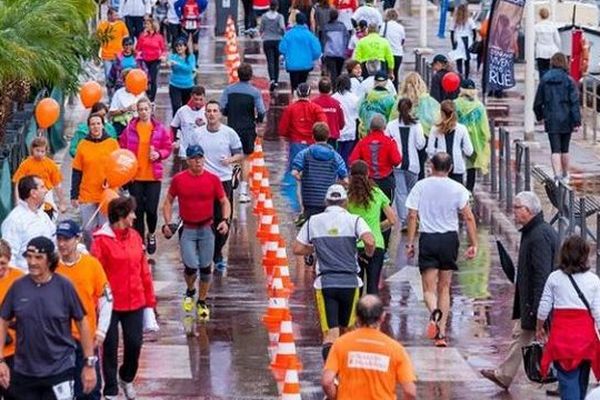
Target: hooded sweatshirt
471	113
557	102
377	101
321	167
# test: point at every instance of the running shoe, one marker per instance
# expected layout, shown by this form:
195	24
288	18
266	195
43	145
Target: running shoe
433	330
221	265
128	389
188	304
151	243
440	341
273	86
203	311
244	198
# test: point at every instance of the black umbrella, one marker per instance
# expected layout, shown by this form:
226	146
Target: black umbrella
506	262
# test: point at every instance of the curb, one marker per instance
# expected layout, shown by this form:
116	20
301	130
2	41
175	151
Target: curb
501	225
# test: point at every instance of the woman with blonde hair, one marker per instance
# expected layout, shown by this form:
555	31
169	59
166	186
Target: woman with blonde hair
472	114
152	49
462	35
449	136
547	42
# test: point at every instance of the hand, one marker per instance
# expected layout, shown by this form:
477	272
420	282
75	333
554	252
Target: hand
391	76
410	250
471	252
62	207
223	227
163	58
200	122
540	334
577	129
226	160
132	108
75	203
154	155
88	378
98	341
4	375
167	231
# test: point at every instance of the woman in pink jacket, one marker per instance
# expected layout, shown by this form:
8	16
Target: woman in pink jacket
151	48
148	139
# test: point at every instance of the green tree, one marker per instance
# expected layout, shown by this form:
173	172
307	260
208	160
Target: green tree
42	43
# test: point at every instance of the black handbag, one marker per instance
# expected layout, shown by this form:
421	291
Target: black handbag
476	47
532	359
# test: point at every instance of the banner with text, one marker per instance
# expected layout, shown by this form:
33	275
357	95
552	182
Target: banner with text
502	44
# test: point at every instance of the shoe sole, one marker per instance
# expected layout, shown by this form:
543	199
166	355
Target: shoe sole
441	343
432	330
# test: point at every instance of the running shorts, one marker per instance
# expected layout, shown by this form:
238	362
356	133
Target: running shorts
336	307
438	250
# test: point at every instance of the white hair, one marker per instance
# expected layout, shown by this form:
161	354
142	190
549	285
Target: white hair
377	122
530	200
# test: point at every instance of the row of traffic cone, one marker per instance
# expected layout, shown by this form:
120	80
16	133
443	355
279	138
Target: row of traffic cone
278	318
232	54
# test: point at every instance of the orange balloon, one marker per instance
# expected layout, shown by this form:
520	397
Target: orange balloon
90	93
121	167
136	81
108	195
47	112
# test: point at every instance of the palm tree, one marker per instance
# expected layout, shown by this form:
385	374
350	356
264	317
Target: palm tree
43	44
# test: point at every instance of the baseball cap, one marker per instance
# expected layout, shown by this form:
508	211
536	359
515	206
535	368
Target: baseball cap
128	41
68	228
194	150
180	40
336	192
381	76
467	84
440	58
40	245
303	90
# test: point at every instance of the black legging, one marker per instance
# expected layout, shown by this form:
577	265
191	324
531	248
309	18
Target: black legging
334	66
271	49
467	61
471	175
178	97
132	325
371	271
298	77
153	67
135	25
221	239
388	187
249	18
147	196
397	64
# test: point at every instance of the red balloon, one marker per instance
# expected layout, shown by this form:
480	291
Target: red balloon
450	82
47	112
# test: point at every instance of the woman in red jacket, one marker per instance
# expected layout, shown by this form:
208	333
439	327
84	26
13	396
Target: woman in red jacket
148	139
151	48
120	250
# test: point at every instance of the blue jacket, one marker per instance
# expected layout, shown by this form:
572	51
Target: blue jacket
182	71
300	48
557	102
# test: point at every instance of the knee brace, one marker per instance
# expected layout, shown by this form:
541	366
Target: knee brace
189	271
205	274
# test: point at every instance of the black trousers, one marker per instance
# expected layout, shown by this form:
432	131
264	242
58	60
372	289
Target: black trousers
334	66
94	394
388	4
371	271
298	77
179	97
132	325
388	187
249	18
457	177
397	64
271	49
173	32
221	239
32	388
471	175
147	196
135	25
543	65
153	67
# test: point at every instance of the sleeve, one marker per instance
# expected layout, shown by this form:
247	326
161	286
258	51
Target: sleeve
166	143
103	294
76	310
223	100
7	312
332	363
298	161
420	140
284	122
414	197
436	87
76	176
595	303
358	52
463	199
283	45
303	236
281	24
431	142
541	263
20	172
340	115
183	145
389	57
395	156
467	145
220	191
173	188
538	102
260	106
315	47
361	227
355	155
55	174
547	299
235	143
574	100
147	282
342	171
176	121
404	369
557	40
115	103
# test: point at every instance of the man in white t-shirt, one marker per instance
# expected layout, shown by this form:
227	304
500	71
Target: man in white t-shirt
393	31
222	149
123	107
438	238
189	117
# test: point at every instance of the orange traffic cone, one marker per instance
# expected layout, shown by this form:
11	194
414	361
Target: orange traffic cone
278	305
276	283
232	55
282	264
286	349
291	385
267	218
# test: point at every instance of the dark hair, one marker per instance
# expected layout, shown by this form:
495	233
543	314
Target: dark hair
181	40
245	72
360	190
212	102
405	111
120	208
333	15
97	107
52	261
574	255
94	115
26	185
442	162
198	90
342	84
320	131
559	60
369	310
274	5
324	85
351	64
5	250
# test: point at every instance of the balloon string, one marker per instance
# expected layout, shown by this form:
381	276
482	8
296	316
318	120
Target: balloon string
93	216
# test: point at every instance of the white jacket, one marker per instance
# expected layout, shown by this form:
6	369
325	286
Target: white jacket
416	141
135	8
461	145
349	102
395	35
547	40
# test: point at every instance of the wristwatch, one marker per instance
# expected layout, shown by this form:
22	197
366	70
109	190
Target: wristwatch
90	361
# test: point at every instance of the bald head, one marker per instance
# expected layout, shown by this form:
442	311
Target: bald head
442	162
369	310
377	123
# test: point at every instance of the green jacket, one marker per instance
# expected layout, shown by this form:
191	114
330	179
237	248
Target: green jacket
82	131
472	114
374	47
374	102
427	111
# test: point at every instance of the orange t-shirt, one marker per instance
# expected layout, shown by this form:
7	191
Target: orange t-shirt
5	283
45	168
90	159
369	364
117	31
89	279
144	172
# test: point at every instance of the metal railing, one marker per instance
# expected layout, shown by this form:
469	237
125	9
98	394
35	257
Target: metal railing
590	106
423	67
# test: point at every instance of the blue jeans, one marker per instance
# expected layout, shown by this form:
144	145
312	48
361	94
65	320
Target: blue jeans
94	394
573	384
107	67
405	180
197	246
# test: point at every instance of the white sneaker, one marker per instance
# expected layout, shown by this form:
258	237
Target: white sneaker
244	198
128	389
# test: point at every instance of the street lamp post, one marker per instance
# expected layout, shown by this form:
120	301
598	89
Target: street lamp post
529	69
423	24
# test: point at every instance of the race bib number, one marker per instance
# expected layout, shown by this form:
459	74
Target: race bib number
191	24
368	361
64	390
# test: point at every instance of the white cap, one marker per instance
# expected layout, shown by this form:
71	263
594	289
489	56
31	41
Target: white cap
336	192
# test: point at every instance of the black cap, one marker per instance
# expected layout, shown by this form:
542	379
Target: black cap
194	150
440	58
381	76
40	245
303	90
467	84
68	228
128	41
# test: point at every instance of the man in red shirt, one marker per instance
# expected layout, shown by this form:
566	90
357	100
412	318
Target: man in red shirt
332	109
196	190
381	153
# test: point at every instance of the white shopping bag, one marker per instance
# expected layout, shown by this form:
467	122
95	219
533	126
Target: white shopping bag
150	324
